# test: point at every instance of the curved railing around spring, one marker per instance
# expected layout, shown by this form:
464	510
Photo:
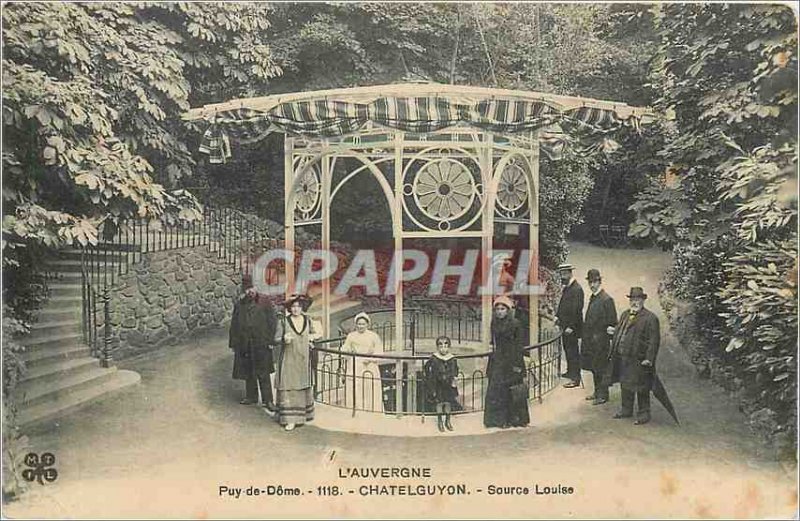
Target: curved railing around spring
425	319
394	382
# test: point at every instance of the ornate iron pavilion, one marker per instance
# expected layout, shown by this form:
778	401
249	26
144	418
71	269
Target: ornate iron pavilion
452	161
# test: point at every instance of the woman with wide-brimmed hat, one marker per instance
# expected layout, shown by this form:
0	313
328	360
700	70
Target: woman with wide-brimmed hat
293	382
506	394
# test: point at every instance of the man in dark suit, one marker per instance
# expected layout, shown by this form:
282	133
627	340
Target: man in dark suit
598	326
569	317
252	333
634	348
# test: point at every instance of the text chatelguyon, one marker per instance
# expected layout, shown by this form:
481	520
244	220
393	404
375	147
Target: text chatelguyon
315	265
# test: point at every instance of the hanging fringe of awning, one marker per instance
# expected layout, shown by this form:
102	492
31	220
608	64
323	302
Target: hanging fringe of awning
330	118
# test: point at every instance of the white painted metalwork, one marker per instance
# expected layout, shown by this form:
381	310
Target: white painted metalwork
451	184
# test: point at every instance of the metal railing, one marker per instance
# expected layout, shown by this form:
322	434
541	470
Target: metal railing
391	383
236	237
425	318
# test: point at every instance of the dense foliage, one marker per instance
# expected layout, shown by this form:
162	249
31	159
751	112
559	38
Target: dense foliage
14	445
525	46
728	79
91	107
619	177
92	97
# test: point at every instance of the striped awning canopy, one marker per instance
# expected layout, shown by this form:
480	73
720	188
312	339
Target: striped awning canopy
418	108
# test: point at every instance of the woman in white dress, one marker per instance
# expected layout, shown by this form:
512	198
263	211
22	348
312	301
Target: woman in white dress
369	394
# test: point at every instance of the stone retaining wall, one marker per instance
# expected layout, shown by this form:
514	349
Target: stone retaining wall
169	294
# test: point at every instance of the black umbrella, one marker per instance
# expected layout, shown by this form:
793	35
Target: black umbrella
661	395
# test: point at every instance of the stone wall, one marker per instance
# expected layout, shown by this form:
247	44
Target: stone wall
168	295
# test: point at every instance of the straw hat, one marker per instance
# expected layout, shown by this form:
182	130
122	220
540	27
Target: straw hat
504	301
304	300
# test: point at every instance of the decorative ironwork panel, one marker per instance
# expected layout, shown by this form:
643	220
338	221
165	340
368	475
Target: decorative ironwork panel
442	190
513	188
307	191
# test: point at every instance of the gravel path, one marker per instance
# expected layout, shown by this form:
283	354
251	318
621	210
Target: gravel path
164	448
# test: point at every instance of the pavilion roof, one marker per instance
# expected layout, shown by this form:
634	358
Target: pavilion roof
416	108
460	94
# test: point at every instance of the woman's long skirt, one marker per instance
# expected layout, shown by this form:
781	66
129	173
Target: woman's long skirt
500	407
368	393
295	406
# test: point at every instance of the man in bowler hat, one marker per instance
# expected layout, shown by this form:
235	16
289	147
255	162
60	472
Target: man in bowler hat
598	326
635	347
252	334
569	317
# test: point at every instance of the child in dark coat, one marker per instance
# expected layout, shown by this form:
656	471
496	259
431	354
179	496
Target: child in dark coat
441	371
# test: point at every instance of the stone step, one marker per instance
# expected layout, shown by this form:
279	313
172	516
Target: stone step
75	265
70	399
60	313
43	356
57	340
173	238
58	289
33	395
67	277
112	256
47	373
49	328
110	247
64	301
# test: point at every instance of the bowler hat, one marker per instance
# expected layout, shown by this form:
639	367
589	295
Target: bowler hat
637	292
564	267
593	275
247	281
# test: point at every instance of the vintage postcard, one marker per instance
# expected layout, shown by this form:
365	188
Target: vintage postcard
368	260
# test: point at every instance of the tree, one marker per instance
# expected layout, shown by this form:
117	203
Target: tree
92	100
728	79
92	136
619	177
525	46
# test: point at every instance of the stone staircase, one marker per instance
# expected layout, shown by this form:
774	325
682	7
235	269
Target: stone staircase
61	374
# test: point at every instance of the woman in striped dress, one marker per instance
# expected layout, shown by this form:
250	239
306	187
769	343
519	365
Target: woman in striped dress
293	382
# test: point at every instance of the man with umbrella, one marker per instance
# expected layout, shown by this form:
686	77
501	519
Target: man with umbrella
634	348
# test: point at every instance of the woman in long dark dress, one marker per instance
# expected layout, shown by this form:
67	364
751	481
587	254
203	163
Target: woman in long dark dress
506	369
